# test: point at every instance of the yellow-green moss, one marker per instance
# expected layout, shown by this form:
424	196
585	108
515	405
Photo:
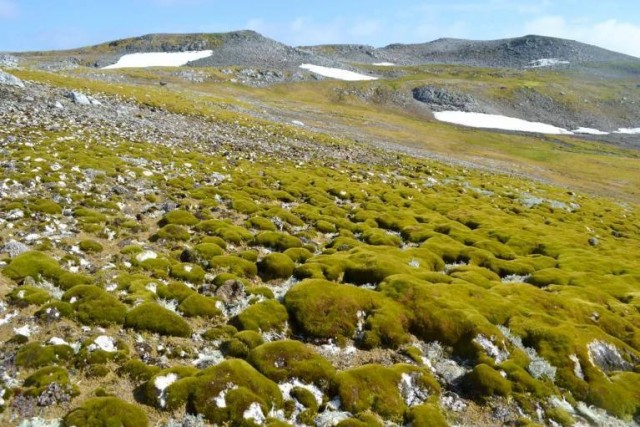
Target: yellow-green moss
153	318
105	412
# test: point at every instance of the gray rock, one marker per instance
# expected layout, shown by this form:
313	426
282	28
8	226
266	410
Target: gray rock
10	80
78	98
231	292
441	99
8	61
14	248
607	357
593	241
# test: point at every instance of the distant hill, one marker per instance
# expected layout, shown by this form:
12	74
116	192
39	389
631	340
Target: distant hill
237	48
517	52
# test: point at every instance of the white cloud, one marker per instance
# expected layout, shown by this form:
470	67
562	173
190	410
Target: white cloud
610	34
8	9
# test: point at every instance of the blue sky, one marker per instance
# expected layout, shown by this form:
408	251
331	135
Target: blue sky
58	24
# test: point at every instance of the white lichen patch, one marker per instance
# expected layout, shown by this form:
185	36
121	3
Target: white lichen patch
411	390
161	384
146	255
104	343
437	361
287	387
254	413
577	367
516	278
538	366
492	350
23	330
221	399
170	304
208	357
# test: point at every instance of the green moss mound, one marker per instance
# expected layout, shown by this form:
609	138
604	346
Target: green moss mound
264	316
179	217
325	309
275	266
106	412
284	360
154	318
197	305
376	388
427	415
90	246
46	206
251	386
173	232
34	355
28	295
32	264
191	273
277	240
94	305
484	381
235	265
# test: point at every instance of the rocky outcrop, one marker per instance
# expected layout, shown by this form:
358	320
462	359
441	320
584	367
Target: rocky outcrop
441	99
10	80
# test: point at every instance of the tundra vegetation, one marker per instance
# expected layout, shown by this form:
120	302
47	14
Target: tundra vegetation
145	283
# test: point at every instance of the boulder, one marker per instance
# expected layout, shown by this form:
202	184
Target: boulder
78	98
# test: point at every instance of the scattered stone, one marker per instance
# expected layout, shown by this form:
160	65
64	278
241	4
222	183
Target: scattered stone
78	98
13	248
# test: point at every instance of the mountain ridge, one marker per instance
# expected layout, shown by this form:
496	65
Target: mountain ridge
250	48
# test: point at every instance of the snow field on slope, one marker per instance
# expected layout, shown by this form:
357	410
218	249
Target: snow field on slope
158	59
336	73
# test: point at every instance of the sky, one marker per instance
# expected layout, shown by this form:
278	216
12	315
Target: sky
63	24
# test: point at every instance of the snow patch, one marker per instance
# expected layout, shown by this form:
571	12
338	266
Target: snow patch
590	131
336	73
628	131
494	121
384	64
547	62
158	59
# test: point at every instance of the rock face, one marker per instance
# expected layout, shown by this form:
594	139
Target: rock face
607	357
440	99
10	80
